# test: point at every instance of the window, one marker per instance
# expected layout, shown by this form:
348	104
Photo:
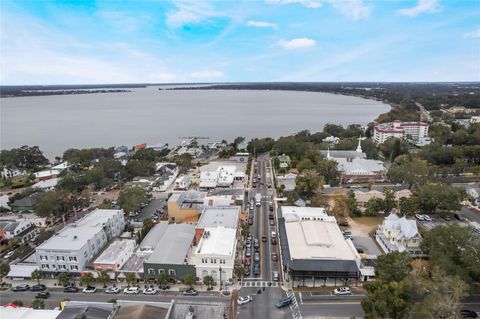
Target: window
45	266
43	257
161	271
62	258
73	267
62	267
171	272
151	271
72	258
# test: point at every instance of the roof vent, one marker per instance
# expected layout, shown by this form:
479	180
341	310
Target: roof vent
75	237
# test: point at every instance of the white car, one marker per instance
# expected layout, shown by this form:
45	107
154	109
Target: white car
89	290
243	300
131	290
112	290
426	218
419	217
342	291
149	291
8	255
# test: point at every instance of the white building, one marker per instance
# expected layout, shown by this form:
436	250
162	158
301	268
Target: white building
78	243
221	174
8	173
415	131
115	256
19	228
46	185
287	180
293	213
215	251
183	183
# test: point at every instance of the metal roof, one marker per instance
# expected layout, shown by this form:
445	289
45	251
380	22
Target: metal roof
226	216
174	245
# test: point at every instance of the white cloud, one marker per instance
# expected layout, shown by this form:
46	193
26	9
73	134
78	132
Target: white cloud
207	74
298	43
261	24
353	9
191	12
423	6
306	3
472	34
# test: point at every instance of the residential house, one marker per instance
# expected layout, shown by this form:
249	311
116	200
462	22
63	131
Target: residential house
25	204
46	185
399	234
20	229
11	172
287	180
285	161
183	182
4	199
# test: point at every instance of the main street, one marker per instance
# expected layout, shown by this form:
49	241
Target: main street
264	296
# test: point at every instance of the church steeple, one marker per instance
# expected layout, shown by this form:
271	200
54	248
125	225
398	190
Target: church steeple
359	147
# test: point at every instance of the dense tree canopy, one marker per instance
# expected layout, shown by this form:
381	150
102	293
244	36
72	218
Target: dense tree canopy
432	198
131	199
30	158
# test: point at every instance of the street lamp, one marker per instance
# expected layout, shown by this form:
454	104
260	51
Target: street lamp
220	268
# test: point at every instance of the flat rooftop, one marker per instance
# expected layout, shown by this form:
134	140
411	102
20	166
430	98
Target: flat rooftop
217	241
214	166
112	253
174	245
314	239
226	216
153	237
77	234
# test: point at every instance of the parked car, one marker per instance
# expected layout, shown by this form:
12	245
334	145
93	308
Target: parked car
272	222
466	313
256	244
149	291
22	287
274	257
247	262
243	300
342	291
247	271
256	269
445	217
9	254
276	276
43	295
250	221
264	238
190	292
427	218
256	256
249	237
112	290
459	217
419	217
70	289
248	244
360	250
89	290
131	290
283	302
343	223
40	287
248	252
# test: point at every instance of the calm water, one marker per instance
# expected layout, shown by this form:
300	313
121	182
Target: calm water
58	122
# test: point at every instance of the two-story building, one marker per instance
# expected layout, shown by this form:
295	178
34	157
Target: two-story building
19	228
399	234
71	249
115	256
182	205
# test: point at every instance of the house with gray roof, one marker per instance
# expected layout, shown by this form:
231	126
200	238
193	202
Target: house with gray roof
171	255
25	204
399	234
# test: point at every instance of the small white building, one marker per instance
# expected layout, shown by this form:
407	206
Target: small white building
183	182
215	254
115	256
46	185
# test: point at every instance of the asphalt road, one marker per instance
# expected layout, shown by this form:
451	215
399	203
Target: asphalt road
56	296
470	213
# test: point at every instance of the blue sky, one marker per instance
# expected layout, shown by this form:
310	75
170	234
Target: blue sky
57	42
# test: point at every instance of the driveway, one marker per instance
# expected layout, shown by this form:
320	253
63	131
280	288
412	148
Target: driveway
367	244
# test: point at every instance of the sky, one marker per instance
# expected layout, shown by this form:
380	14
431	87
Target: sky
156	41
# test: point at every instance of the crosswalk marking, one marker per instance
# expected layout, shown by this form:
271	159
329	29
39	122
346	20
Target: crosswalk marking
294	305
261	284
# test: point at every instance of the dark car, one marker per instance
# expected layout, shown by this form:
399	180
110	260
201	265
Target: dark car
343	223
445	217
247	271
256	269
264	238
43	295
39	287
70	289
22	287
190	292
468	313
250	221
459	217
283	302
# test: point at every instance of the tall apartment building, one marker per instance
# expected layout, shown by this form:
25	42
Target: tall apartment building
78	243
415	131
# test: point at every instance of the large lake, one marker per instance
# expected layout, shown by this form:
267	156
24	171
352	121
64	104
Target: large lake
58	122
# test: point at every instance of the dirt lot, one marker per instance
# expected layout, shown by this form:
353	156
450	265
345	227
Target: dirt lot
363	226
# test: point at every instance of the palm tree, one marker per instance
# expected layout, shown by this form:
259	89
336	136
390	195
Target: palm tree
239	271
36	275
103	277
130	278
63	279
208	281
162	279
190	280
